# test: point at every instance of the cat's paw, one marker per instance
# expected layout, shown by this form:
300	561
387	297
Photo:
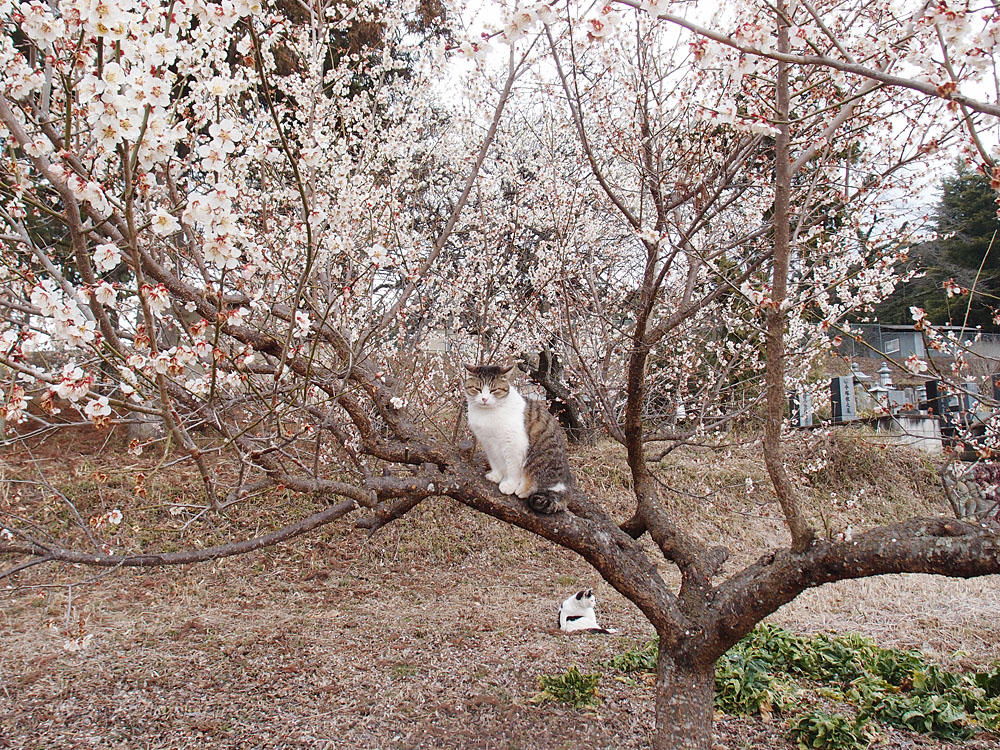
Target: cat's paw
524	491
494	476
508	486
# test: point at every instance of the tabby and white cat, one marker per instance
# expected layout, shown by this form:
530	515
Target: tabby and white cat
577	613
524	443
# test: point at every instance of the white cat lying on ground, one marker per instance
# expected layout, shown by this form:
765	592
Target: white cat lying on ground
577	613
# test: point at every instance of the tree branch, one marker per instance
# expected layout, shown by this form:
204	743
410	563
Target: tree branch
774	367
828	62
590	532
154	559
937	546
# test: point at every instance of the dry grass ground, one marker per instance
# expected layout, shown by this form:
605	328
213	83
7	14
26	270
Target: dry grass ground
431	634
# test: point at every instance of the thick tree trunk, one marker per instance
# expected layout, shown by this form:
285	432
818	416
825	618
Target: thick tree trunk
684	705
774	369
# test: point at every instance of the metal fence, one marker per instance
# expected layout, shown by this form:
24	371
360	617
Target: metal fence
899	342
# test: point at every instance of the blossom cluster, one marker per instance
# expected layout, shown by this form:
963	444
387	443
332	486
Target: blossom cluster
230	219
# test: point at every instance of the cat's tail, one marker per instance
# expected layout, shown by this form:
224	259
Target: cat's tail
547	501
603	631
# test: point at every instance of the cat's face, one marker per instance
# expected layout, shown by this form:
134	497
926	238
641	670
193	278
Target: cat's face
487	385
586	598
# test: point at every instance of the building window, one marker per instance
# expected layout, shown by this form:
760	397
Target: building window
892	346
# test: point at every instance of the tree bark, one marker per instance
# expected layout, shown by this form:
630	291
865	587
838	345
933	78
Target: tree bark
685	695
548	374
774	373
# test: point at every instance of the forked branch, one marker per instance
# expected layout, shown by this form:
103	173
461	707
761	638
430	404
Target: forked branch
919	545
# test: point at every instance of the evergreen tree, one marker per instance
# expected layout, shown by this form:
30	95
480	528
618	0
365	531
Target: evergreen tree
965	252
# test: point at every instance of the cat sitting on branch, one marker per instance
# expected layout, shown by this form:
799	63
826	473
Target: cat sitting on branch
524	443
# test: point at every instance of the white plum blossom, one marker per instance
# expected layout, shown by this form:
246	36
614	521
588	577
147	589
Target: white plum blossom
164	223
224	13
649	235
16	210
97	408
47	297
756	296
105	294
222	251
218	86
518	25
14	411
72	328
544	13
212	157
227	133
113	75
68	320
476	49
602	26
198	209
162	363
74	383
38	146
161	49
158	298
198	386
312	156
238	316
654	7
952	289
23	82
89	192
40	25
915	365
136	362
155	91
723	113
379	255
757	127
302	324
107	257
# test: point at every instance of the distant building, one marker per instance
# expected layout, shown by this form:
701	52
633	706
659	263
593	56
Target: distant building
437	342
900	342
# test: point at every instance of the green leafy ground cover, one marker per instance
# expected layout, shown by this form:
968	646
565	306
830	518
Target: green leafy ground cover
573	688
833	692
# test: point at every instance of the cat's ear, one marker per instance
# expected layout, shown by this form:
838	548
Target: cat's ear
580	594
506	369
588	593
470	368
